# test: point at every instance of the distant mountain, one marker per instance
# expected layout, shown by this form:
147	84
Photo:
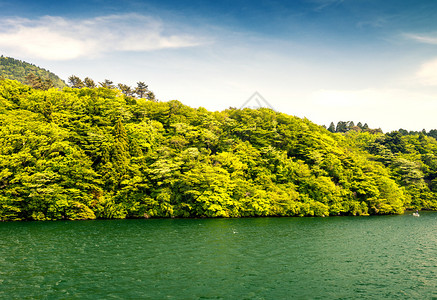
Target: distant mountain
18	70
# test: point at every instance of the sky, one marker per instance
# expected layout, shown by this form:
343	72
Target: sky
327	60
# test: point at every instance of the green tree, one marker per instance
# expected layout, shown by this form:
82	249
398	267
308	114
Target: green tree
142	89
120	153
341	126
89	83
151	96
107	84
37	82
125	89
75	82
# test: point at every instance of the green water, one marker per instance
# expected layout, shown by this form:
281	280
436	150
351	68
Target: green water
388	257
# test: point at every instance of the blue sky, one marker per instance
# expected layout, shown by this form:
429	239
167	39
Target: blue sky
327	60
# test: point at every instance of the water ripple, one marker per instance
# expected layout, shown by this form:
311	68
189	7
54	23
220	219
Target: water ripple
392	257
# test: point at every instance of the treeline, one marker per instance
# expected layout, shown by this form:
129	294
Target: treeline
27	73
140	91
431	133
345	126
95	152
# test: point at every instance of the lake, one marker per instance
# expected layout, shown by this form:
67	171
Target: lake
383	257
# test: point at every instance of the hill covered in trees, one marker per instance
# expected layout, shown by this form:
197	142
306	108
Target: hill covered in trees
24	72
97	152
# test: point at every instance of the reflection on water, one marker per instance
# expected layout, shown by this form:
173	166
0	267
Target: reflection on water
261	258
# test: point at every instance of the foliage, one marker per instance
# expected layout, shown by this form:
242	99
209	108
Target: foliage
98	152
412	162
11	68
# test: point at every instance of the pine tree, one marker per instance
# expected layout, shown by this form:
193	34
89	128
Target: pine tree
125	89
151	96
120	152
141	89
107	84
341	126
75	82
121	136
89	83
331	127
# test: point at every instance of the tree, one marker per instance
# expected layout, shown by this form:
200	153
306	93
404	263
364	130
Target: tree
125	89
331	127
121	147
141	89
107	84
341	126
151	96
121	136
47	84
403	131
393	141
37	82
75	82
432	133
33	80
89	83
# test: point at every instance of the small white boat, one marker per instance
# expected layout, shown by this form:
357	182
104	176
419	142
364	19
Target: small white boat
416	214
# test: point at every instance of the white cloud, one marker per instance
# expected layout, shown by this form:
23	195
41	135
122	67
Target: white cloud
426	39
427	74
56	38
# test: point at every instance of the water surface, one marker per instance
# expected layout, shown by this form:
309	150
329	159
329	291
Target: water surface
385	257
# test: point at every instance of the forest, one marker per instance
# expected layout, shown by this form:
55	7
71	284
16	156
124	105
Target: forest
24	72
88	151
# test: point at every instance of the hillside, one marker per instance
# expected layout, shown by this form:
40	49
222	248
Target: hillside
95	153
11	68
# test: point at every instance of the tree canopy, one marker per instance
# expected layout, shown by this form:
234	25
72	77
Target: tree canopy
99	152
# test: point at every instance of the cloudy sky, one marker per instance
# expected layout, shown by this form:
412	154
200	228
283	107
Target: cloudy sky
328	60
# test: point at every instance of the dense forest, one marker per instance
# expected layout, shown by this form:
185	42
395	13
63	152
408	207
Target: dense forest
87	152
27	73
